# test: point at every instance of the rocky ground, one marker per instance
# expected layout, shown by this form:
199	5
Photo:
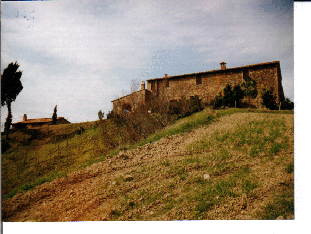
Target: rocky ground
121	187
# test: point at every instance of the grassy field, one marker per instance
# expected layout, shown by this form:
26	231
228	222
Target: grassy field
33	157
227	170
223	176
29	161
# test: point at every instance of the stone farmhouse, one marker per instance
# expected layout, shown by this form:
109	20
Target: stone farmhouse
206	85
35	123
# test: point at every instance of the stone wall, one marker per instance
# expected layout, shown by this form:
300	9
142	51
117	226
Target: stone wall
266	77
130	102
207	85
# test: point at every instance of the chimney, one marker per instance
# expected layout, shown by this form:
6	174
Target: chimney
143	85
25	118
165	75
222	65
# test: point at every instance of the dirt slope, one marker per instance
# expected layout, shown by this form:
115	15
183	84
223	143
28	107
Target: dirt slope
98	192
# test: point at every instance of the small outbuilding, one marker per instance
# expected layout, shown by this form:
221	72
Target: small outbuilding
35	123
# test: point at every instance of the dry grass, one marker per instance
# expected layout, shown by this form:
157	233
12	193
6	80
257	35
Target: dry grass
247	156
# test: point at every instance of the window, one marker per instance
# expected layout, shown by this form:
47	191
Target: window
126	107
167	84
198	79
245	74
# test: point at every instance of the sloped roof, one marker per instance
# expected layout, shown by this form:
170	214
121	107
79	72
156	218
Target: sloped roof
219	70
144	90
40	120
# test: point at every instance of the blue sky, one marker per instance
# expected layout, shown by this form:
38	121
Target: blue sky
80	55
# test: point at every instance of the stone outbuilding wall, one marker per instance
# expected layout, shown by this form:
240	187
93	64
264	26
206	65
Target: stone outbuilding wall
129	102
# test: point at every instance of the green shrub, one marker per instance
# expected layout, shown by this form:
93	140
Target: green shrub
185	107
228	97
269	99
217	102
287	104
249	88
238	94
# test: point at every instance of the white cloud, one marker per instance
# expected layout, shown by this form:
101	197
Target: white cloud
82	54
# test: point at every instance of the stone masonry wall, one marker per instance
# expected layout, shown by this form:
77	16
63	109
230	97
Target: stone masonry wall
130	101
267	77
187	86
213	82
207	85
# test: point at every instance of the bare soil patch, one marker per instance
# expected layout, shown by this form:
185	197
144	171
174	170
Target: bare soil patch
164	180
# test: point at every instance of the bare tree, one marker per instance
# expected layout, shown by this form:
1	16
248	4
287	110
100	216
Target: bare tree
134	86
125	93
135	83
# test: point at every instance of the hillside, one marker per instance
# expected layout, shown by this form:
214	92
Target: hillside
240	166
35	156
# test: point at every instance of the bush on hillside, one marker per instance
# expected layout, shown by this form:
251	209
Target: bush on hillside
228	97
269	99
217	102
195	104
185	107
176	107
287	104
238	94
101	115
112	115
249	88
129	127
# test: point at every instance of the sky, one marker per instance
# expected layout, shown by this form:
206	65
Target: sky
80	55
